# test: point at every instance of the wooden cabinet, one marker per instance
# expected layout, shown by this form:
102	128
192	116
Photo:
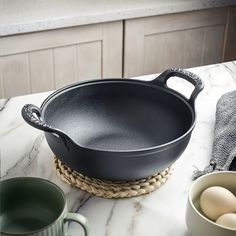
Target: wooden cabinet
230	43
48	60
153	44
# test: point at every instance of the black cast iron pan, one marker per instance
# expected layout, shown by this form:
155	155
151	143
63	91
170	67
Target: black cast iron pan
118	129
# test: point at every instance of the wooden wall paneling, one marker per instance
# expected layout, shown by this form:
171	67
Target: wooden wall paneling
65	65
134	47
41	71
15	75
1	85
175	49
163	51
153	44
59	57
112	49
89	60
230	49
185	20
213	44
154	53
49	39
193	47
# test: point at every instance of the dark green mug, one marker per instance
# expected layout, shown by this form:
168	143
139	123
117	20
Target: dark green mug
35	207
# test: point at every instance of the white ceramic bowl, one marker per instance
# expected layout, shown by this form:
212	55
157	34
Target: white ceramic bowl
197	223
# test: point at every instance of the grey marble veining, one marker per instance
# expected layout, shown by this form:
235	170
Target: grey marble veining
24	152
3	103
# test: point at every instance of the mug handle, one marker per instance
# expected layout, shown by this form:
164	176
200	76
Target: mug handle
75	217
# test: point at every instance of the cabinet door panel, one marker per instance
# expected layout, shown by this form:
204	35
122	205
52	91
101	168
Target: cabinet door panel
134	47
155	56
41	70
175	49
65	65
15	75
49	39
112	51
90	61
1	85
190	39
48	60
163	51
193	47
185	20
213	44
230	47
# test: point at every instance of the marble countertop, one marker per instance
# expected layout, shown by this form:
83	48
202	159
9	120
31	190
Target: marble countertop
22	16
24	152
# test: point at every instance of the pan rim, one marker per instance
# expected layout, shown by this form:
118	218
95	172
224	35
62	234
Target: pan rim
163	146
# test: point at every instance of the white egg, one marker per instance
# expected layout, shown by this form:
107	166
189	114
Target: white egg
228	220
216	201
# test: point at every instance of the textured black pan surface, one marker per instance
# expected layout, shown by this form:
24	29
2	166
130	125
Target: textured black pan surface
118	129
119	116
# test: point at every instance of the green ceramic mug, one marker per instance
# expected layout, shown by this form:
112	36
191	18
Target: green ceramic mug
35	207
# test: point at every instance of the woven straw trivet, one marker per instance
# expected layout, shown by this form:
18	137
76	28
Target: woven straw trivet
110	189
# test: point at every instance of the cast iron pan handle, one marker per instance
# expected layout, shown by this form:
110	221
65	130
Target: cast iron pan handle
32	115
189	76
28	112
